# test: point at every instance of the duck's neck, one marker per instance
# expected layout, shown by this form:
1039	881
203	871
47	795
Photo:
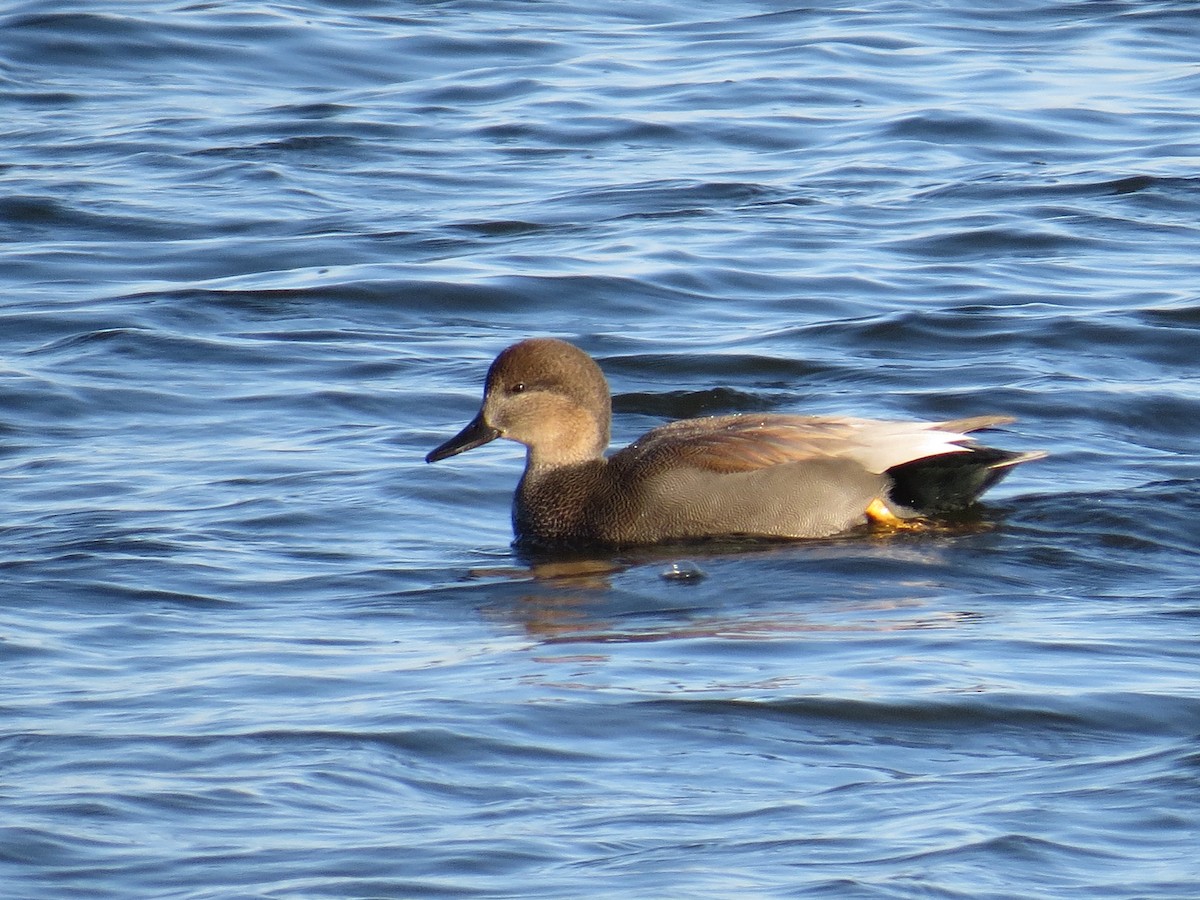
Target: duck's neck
570	447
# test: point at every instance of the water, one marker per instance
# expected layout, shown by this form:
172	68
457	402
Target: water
255	259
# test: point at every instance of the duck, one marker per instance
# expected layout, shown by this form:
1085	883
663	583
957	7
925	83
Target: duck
743	475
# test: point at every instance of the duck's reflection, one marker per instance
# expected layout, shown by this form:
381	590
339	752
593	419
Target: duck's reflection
704	591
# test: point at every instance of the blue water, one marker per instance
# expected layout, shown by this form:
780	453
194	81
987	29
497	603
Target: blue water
254	260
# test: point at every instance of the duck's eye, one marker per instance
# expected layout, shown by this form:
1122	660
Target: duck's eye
518	388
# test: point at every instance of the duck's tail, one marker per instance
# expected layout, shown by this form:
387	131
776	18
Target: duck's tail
952	481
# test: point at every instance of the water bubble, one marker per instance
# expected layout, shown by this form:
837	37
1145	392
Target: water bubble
685	570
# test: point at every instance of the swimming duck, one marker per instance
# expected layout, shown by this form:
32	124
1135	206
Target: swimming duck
745	475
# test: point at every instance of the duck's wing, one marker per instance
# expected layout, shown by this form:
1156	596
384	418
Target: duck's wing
743	443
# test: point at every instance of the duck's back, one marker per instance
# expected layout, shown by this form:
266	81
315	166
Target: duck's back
768	476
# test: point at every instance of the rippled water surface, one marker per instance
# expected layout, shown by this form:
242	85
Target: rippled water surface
254	260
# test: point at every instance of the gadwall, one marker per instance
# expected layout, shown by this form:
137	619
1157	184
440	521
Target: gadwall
782	476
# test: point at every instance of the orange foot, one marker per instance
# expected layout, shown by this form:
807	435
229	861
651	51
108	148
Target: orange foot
879	514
